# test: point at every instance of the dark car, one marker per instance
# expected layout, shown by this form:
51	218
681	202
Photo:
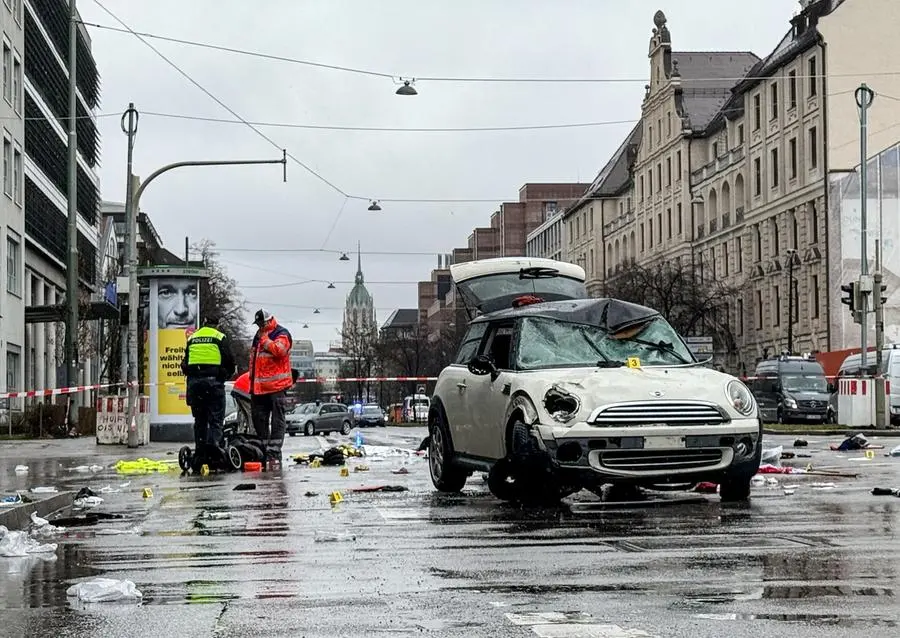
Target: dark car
790	389
370	416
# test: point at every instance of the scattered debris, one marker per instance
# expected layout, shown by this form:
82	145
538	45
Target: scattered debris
895	451
44	490
334	537
801	443
243	487
21	469
855	443
310	494
381	488
145	466
823	486
361	468
13	544
86	498
885	491
772	455
401	470
105	590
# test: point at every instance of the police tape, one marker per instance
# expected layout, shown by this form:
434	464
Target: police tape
75	389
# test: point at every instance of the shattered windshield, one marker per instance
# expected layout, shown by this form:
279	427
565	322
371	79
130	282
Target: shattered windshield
549	343
804	383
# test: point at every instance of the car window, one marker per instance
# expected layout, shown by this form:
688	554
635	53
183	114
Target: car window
499	345
371	410
804	383
470	343
548	343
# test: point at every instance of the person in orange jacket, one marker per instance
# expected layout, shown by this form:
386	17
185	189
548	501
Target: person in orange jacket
270	378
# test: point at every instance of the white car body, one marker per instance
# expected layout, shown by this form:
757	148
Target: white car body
647	422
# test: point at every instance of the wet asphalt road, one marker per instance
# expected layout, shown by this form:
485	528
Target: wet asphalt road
819	562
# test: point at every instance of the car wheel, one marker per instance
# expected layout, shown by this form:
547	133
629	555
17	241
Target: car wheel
536	483
345	428
310	429
735	489
445	476
501	481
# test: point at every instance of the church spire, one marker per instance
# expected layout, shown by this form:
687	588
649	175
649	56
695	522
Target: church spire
359	272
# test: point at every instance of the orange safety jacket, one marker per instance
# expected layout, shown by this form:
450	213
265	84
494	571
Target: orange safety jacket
270	360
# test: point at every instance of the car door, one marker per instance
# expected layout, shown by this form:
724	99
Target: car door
487	398
767	395
321	419
454	384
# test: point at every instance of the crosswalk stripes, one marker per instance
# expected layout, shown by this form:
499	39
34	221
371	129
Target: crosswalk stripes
572	625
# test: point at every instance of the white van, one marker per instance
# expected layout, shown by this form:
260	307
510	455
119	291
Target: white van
890	368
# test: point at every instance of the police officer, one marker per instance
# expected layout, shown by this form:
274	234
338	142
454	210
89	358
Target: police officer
208	362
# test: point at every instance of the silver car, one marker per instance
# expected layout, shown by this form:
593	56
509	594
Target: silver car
323	418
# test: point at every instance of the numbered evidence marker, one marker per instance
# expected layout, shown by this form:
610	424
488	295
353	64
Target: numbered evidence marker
870	454
633	362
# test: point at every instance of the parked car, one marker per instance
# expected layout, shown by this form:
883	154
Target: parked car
322	418
371	415
791	389
552	392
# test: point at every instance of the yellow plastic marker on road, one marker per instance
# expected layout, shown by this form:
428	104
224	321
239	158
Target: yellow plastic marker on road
336	497
148	492
633	362
345	471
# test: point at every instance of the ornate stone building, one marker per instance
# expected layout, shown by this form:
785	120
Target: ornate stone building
359	311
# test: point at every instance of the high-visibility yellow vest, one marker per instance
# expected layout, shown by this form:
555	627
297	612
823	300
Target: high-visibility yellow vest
204	347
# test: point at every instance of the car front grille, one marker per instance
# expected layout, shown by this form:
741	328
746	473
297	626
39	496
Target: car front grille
656	461
812	404
659	412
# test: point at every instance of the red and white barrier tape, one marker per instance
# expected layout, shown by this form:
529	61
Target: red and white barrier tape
29	394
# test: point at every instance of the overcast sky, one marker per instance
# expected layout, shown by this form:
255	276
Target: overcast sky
250	207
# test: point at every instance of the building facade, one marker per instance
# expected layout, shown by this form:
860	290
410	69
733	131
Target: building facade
13	341
45	186
548	240
359	311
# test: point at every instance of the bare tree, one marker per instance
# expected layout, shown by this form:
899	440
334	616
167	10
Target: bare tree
222	303
361	347
693	303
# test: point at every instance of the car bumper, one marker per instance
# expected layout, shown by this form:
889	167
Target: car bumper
292	426
663	453
805	414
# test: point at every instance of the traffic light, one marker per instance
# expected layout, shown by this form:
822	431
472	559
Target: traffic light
881	297
850	299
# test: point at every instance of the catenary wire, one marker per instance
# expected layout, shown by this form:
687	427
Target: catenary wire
256	130
451	79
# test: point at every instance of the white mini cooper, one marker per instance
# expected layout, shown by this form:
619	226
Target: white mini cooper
552	392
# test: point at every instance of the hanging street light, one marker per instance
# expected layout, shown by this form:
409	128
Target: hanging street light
316	311
344	257
374	205
407	88
331	285
306	325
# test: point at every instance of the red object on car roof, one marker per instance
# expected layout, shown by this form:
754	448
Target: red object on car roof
526	300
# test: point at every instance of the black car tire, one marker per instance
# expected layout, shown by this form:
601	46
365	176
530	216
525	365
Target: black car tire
292	434
309	429
445	476
345	428
735	489
501	481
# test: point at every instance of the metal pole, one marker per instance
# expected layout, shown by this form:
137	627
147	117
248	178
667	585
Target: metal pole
881	417
864	96
130	120
790	339
129	124
72	222
134	291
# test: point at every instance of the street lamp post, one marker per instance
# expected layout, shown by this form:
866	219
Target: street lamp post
133	290
792	252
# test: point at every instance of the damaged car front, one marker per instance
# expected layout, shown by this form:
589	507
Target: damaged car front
617	397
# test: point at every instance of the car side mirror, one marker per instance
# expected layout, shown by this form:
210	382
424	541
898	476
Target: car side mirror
481	365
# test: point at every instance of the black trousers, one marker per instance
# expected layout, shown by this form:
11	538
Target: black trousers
206	396
268	412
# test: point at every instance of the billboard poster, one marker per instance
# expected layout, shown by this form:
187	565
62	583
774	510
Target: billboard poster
883	224
174	312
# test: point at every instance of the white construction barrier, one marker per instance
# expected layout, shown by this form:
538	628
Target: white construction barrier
112	420
856	402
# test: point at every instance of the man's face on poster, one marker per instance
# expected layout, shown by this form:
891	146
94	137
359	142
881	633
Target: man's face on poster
177	303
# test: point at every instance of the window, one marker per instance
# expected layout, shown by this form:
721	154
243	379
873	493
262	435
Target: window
649	182
759	310
641	190
7	166
621	209
678	166
7	73
813	148
725	259
757	112
680	221
669	221
792	90
659	228
814	291
470	343
740	134
659	183
17	85
650	137
777	299
715	151
813	80
659	129
13	358
757	177
813	224
773	101
795	232
738	254
642	238
650	233
13	279
792	145
18	176
669	123
774	168
757	244
776	238
739	311
668	171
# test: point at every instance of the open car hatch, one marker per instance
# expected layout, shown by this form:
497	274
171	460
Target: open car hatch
489	285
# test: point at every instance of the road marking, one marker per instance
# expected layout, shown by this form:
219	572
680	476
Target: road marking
571	625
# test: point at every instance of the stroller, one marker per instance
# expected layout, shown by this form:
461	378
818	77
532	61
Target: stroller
241	444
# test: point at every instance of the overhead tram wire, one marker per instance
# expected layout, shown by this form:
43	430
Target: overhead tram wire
447	79
218	101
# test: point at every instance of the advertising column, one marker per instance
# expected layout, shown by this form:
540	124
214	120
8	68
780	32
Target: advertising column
174	313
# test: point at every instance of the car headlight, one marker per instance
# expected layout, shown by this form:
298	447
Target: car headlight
563	406
791	403
231	418
740	398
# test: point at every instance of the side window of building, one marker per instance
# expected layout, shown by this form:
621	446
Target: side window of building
470	343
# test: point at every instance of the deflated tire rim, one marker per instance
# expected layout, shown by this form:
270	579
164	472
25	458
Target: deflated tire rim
436	452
